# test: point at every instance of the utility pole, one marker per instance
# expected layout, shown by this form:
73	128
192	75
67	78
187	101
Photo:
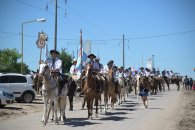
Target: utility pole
81	43
55	32
152	61
123	51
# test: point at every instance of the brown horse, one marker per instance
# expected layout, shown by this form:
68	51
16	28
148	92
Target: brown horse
90	90
176	80
38	82
109	91
154	83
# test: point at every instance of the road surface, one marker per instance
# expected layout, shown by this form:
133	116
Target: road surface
161	114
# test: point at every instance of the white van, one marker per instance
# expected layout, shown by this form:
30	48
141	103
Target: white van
21	86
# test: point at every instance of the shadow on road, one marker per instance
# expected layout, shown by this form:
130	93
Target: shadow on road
114	118
155	108
78	122
12	108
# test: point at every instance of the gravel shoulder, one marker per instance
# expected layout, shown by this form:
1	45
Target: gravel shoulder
186	116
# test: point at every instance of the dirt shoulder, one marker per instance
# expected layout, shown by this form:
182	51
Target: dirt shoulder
186	114
19	109
16	109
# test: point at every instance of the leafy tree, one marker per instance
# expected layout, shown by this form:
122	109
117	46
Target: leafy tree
8	61
66	60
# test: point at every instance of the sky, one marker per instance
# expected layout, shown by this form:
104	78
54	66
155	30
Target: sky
163	28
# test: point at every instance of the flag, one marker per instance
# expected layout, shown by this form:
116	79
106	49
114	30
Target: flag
81	60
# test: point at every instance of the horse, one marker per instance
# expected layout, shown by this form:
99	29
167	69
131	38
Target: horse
154	83
50	92
167	82
38	82
72	86
110	90
90	90
121	90
176	80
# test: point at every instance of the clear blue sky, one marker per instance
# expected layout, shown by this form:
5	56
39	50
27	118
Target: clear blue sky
163	28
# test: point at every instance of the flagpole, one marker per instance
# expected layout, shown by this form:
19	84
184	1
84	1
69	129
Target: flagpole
81	43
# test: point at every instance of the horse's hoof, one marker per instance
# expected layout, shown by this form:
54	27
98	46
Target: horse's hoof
44	124
57	123
96	115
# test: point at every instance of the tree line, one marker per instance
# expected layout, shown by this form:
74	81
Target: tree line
9	61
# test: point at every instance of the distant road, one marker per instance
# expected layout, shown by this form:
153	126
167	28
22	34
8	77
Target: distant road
160	115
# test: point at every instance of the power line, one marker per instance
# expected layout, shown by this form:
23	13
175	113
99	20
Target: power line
163	35
103	40
22	2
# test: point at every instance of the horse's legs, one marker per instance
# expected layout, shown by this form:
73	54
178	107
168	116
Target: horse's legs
100	99
83	101
90	107
55	110
113	100
105	102
51	107
71	102
62	108
96	105
45	117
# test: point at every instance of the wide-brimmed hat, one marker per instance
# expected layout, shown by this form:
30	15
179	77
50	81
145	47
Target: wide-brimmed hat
141	68
110	62
54	51
74	60
91	55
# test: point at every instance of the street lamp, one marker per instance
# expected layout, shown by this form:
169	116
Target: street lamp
35	20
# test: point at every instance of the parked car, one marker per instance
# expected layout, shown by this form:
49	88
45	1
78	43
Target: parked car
6	97
21	86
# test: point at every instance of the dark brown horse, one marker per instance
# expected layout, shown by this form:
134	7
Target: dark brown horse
90	90
176	80
38	82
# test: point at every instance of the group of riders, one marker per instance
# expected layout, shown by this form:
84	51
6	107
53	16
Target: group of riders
110	79
120	75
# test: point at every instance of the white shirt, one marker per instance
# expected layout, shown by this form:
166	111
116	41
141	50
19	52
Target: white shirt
57	64
73	70
147	73
105	71
96	66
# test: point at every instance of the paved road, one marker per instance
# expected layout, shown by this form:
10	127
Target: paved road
160	115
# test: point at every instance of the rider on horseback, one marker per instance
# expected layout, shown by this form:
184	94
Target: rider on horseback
55	65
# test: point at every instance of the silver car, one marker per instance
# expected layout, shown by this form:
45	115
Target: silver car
6	97
21	86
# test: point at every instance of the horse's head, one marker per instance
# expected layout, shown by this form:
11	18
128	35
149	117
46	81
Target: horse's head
88	70
44	69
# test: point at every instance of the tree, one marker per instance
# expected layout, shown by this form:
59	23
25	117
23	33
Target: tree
8	61
66	60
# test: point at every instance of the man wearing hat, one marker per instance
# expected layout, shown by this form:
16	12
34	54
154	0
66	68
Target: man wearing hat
108	66
54	62
73	70
91	58
55	65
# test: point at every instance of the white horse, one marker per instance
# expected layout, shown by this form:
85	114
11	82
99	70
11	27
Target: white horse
121	88
50	93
